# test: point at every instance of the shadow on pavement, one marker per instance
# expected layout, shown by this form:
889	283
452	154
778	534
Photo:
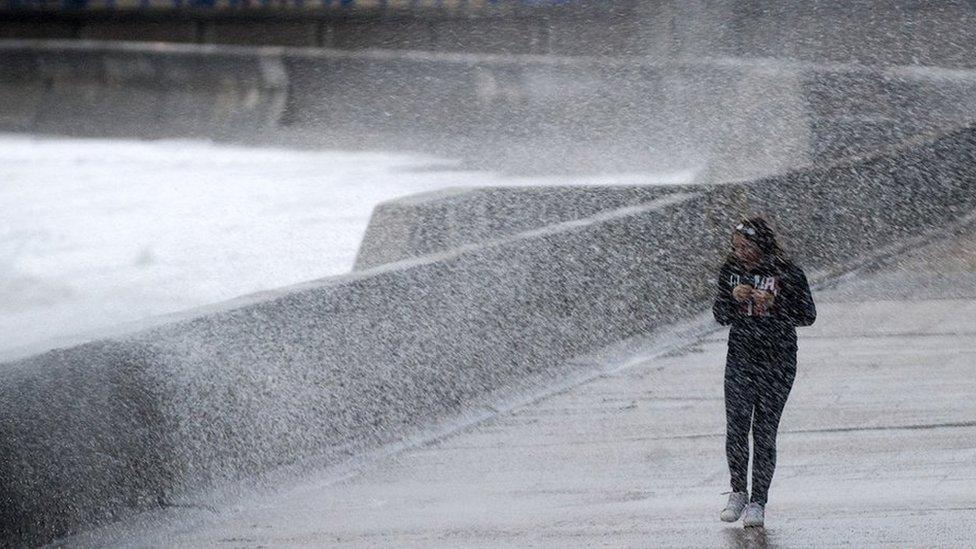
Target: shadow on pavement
746	538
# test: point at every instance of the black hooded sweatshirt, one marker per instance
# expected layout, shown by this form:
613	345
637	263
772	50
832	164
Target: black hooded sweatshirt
753	327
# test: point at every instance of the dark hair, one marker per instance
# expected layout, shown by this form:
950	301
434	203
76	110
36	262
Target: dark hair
757	230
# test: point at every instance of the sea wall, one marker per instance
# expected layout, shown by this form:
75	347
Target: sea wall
825	215
152	91
899	32
441	220
732	119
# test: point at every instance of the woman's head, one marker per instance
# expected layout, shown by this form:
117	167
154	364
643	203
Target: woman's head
754	241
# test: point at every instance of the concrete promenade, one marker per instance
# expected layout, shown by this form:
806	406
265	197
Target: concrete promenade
877	447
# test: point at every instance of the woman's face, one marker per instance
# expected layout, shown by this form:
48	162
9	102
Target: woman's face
745	250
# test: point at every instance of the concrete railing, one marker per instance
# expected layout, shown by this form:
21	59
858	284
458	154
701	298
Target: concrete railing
147	91
899	32
333	367
739	118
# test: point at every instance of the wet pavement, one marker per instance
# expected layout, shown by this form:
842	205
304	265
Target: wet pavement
877	447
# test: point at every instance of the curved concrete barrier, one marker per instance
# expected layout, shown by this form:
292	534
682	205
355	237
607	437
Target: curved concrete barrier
827	215
437	221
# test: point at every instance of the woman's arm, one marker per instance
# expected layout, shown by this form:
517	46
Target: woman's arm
796	303
724	307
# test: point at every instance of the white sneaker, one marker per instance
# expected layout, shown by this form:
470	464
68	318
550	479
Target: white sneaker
733	509
753	515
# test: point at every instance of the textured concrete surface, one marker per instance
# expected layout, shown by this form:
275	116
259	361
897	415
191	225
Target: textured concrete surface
828	215
877	447
425	223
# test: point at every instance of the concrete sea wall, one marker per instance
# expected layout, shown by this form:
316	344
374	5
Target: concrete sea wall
825	215
151	91
434	222
899	32
736	118
332	367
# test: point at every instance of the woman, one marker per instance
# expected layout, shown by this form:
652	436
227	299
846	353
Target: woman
764	296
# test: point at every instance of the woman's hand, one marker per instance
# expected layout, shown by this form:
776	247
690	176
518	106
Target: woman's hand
763	298
742	292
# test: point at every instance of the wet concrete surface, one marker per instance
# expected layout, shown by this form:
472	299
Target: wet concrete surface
877	447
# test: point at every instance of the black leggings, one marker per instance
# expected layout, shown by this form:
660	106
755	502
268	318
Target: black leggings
756	389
